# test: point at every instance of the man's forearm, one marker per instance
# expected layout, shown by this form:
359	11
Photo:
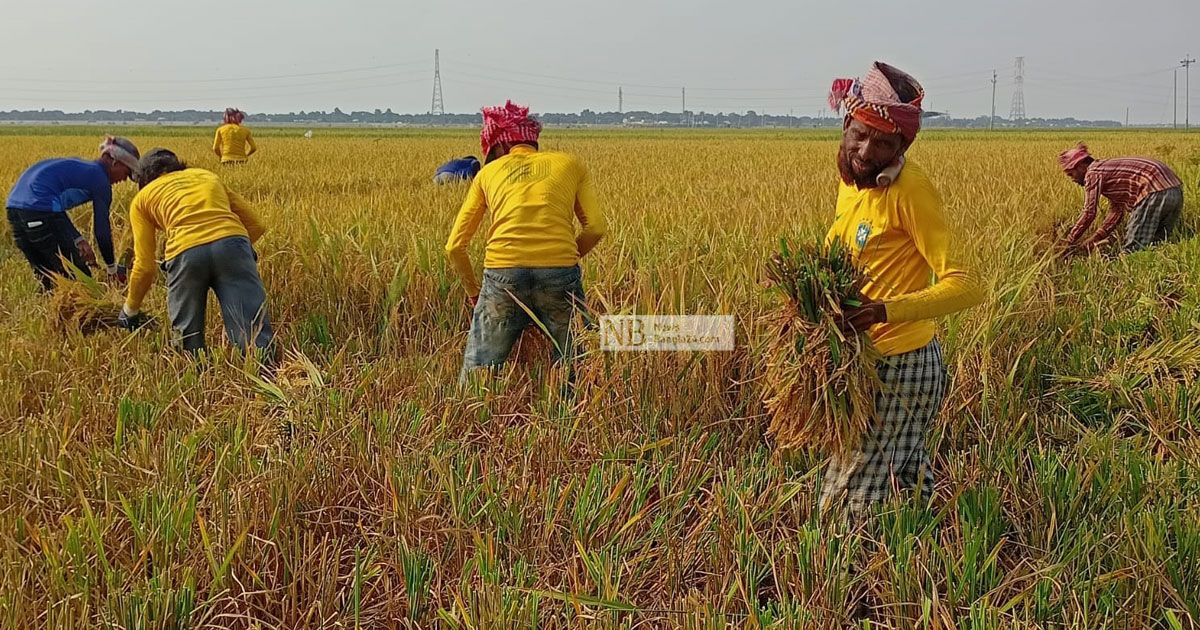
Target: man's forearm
461	263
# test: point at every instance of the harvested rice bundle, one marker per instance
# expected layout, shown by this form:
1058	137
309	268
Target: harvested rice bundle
820	385
81	303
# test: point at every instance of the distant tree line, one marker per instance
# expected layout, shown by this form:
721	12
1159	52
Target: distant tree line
586	117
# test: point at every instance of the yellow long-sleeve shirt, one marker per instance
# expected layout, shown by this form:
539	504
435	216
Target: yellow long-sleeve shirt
194	208
233	143
534	197
899	236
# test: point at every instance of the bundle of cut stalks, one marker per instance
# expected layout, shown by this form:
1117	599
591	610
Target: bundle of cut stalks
820	384
79	302
1051	236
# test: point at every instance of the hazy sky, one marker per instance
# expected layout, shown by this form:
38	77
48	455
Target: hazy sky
1084	59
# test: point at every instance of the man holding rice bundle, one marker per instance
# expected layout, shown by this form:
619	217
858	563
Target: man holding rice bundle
890	216
1145	189
39	201
531	265
210	231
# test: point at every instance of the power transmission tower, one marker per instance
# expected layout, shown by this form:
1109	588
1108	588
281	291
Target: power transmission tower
620	100
1187	89
437	108
992	120
1175	99
1018	97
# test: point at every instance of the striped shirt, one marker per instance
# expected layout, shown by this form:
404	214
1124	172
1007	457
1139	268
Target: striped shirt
1125	182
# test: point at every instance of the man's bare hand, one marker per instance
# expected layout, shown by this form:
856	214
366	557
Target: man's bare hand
859	319
85	251
1065	250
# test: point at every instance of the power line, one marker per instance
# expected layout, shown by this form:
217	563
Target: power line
223	80
191	100
714	98
935	79
1115	79
1070	90
234	90
616	83
508	83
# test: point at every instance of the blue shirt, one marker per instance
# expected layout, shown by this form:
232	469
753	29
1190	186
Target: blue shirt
454	170
59	184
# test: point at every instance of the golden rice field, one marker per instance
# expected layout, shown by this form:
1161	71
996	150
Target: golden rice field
359	488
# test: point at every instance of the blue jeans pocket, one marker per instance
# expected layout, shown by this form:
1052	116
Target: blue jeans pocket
499	277
561	277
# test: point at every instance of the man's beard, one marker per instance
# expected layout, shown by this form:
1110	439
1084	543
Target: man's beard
861	180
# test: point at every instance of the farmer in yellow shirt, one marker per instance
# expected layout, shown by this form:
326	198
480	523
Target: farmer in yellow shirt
890	215
233	143
533	251
210	230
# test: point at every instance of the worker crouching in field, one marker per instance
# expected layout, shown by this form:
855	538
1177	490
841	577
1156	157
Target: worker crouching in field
894	225
533	252
1148	187
210	230
457	170
39	201
233	143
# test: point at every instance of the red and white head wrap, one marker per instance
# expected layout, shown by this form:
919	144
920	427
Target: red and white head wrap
121	150
234	116
1071	158
874	100
507	123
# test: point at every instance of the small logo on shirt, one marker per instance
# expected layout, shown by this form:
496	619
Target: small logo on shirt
864	233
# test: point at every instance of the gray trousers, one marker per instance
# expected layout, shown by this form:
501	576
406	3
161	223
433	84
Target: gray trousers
1153	219
228	267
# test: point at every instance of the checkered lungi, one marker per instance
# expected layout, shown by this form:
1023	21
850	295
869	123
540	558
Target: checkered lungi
892	457
1153	218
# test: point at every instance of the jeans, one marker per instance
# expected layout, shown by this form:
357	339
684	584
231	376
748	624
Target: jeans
43	237
228	267
552	295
